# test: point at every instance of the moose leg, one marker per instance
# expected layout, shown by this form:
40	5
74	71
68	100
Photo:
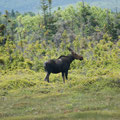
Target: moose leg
47	77
66	75
63	76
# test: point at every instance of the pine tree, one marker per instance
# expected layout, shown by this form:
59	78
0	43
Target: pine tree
44	9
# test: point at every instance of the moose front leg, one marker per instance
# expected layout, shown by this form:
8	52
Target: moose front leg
63	76
47	77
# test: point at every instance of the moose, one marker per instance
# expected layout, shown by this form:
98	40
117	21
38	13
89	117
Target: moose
62	64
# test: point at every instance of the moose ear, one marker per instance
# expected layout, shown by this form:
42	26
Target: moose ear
71	50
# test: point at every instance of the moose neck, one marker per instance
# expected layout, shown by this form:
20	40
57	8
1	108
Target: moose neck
71	58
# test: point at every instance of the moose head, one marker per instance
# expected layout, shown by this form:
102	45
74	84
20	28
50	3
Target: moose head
75	55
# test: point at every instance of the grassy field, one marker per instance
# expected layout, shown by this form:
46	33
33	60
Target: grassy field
87	95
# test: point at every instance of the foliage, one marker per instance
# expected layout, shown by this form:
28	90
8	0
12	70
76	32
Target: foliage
28	41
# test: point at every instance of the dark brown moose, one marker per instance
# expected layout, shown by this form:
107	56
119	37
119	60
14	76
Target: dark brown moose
62	64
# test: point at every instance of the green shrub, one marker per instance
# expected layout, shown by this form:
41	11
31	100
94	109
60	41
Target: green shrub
15	84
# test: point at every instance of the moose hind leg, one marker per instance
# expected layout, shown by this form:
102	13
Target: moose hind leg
66	75
47	77
63	76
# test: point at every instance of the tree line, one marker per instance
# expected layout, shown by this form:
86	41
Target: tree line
27	40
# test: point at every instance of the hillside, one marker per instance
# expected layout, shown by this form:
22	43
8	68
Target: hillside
33	5
25	96
92	90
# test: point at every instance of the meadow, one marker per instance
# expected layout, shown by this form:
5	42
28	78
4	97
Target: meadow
95	96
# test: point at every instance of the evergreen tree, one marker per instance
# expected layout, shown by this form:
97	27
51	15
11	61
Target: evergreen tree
13	13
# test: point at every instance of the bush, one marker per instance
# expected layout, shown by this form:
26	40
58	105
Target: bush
15	84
